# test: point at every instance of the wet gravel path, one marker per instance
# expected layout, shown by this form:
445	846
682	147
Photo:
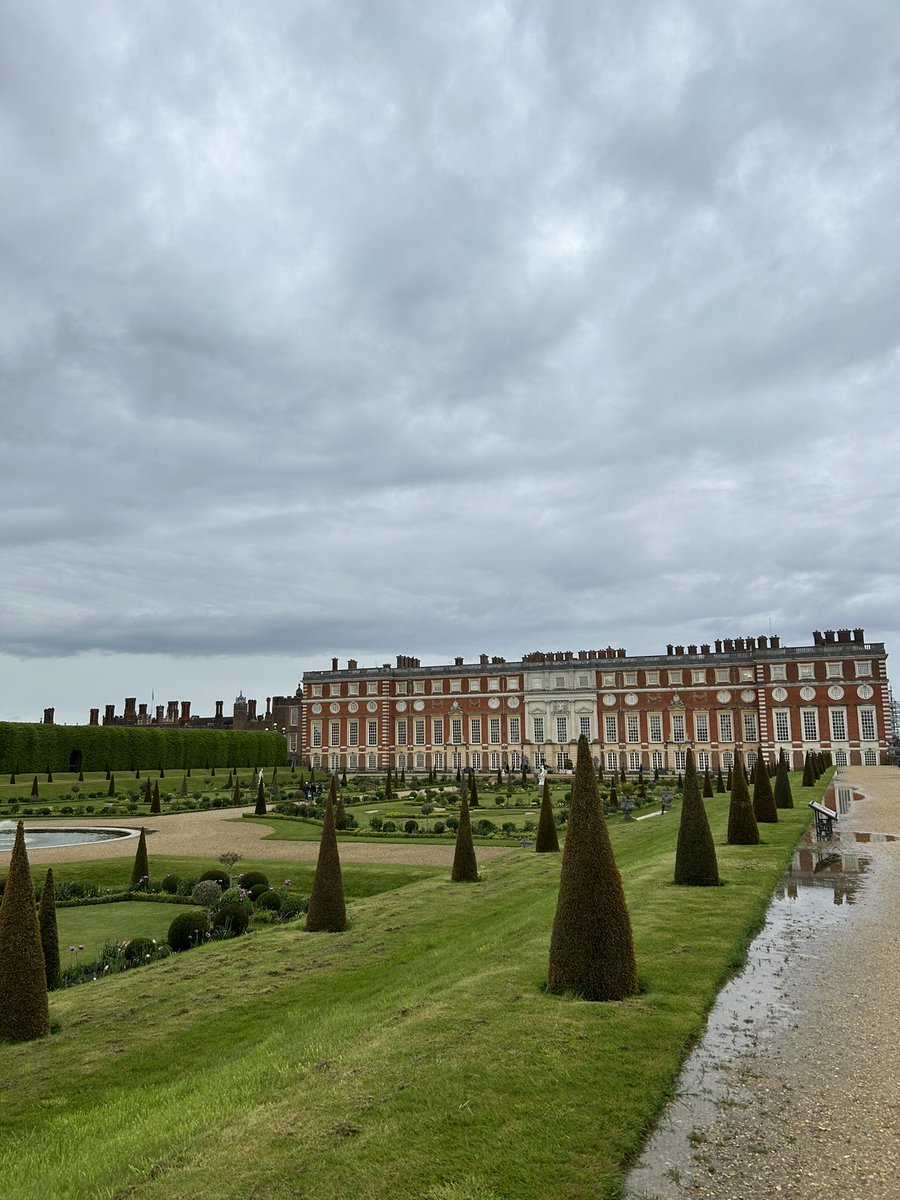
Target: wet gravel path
812	1103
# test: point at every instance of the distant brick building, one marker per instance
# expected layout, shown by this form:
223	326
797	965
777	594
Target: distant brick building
636	711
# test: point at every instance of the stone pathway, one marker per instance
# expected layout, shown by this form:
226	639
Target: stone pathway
810	1102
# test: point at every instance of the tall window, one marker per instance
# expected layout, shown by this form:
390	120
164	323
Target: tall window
810	724
353	733
750	727
727	760
838	724
292	743
656	727
456	760
634	760
475	727
494	731
702	760
539	729
456	729
678	727
726	727
840	758
401	733
419	732
870	758
316	731
515	760
420	762
292	719
867	724
371	734
782	718
495	760
701	727
680	760
352	762
656	760
476	760
437	731
612	761
562	734
514	728
439	760
611	725
585	726
372	762
632	727
335	733
560	760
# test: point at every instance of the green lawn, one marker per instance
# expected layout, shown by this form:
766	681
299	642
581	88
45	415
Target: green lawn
415	1056
94	924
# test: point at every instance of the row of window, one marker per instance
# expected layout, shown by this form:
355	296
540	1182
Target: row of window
417	687
419	729
781	720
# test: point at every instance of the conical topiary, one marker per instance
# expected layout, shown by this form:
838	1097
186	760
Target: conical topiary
465	869
388	786
784	797
728	781
547	840
49	775
695	856
34	788
111	790
183	790
591	946
260	810
809	774
763	800
679	783
154	803
720	783
24	1009
622	776
236	792
140	872
742	827
148	792
613	796
473	792
340	815
49	933
327	912
707	784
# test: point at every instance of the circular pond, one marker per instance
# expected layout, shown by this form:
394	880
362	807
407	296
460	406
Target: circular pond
42	839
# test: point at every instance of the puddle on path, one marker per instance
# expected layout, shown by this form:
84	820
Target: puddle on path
823	882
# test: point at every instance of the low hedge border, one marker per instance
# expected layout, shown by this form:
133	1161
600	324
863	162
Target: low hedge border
118	897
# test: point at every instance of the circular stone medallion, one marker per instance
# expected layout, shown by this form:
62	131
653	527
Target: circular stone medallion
609	700
334	708
631	698
372	706
352	706
493	702
723	697
317	708
512	702
779	694
836	692
865	692
807	693
418	705
747	696
401	706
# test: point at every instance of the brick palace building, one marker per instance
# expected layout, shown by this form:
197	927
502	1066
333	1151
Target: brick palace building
642	711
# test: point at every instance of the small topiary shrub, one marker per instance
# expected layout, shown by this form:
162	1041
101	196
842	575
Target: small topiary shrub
411	827
453	824
138	949
222	878
269	900
207	892
231	920
258	890
376	823
251	879
389	827
189	929
438	827
170	884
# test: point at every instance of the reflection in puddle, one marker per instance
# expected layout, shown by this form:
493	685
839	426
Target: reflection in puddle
824	879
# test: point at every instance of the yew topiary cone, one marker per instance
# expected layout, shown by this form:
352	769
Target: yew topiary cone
695	857
742	827
49	933
154	803
260	810
784	797
591	946
24	1010
140	872
465	869
809	773
707	784
547	841
720	783
327	911
763	800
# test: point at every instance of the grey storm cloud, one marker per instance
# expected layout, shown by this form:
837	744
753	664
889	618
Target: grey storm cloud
366	328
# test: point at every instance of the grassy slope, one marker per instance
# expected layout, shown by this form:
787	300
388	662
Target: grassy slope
413	1056
93	925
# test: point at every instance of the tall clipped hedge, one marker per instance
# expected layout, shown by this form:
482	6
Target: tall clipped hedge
30	748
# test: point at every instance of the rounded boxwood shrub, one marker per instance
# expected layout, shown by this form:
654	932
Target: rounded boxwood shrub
231	920
438	827
389	827
258	890
411	827
453	824
189	929
170	884
221	877
270	900
251	879
207	892
138	948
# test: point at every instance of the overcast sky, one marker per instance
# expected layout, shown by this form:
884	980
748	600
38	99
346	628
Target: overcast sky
413	327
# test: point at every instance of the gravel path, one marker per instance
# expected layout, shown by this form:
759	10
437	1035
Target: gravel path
814	1106
220	830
